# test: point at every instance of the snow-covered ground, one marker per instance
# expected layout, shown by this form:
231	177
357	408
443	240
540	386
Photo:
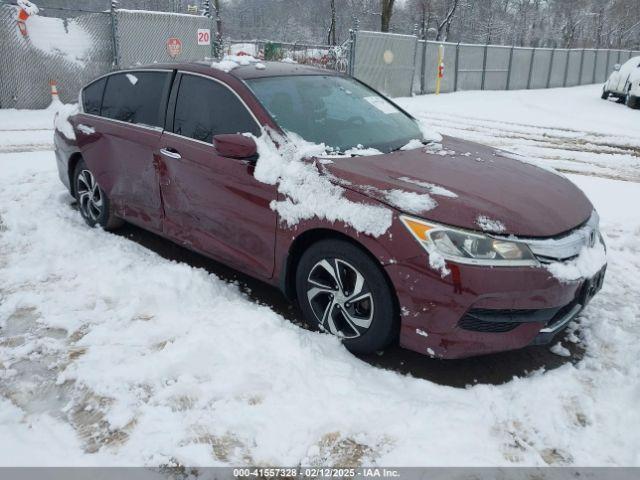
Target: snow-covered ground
110	354
571	129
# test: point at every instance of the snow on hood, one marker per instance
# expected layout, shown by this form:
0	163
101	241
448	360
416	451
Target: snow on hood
495	193
308	193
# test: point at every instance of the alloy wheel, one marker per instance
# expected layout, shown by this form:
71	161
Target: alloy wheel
90	199
340	298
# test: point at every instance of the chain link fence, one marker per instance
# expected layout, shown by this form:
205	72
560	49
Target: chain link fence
69	52
73	51
495	67
144	37
386	61
321	56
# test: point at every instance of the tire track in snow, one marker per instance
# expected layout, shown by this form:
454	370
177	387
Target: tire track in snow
567	150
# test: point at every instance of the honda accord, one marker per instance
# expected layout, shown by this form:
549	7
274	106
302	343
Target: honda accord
473	251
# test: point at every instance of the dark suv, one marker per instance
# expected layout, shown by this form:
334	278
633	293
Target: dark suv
470	243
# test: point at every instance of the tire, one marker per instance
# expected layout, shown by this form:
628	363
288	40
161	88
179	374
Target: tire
93	203
631	101
605	94
366	320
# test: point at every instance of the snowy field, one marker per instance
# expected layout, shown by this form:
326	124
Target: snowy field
111	354
571	129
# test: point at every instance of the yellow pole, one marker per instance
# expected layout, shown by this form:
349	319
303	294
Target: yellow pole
440	70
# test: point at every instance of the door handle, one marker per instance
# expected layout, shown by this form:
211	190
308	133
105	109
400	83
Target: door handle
86	129
171	153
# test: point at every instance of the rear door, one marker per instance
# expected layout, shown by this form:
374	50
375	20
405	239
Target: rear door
214	204
122	152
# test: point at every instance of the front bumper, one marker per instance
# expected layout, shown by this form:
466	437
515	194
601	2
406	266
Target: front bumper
480	310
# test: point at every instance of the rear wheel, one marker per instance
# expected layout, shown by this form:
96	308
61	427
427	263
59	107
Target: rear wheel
344	292
630	101
93	203
605	94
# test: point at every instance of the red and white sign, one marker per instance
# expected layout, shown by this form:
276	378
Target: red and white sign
174	47
204	36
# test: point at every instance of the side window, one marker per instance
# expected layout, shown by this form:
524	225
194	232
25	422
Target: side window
92	97
204	108
135	97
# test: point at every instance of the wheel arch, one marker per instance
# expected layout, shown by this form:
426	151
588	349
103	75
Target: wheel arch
308	238
74	159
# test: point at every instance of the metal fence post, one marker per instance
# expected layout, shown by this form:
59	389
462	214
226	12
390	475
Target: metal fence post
352	51
553	52
581	67
531	59
606	68
509	68
595	65
566	68
456	67
114	33
484	66
423	81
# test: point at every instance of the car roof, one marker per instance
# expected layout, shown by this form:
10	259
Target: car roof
244	72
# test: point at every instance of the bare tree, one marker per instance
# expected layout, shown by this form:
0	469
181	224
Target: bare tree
445	25
387	11
332	28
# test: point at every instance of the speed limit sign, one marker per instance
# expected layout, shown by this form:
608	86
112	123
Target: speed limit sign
204	36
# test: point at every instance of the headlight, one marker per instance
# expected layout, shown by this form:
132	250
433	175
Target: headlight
463	246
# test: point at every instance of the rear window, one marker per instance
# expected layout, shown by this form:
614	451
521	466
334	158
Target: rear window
205	108
92	97
136	97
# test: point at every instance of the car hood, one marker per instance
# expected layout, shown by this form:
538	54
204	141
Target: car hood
484	189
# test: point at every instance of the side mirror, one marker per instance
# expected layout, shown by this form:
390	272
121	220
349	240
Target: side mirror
616	67
235	146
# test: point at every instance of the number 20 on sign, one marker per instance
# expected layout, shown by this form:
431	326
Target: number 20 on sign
204	36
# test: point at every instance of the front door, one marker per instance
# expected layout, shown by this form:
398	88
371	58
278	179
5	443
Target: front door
214	204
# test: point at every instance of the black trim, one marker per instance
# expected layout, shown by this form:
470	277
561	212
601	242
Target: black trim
171	103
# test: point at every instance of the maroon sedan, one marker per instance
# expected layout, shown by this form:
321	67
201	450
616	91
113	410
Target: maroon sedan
174	149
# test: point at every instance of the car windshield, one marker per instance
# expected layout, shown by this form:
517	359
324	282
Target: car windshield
337	111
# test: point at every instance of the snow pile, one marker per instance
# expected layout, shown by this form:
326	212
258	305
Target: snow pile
359	151
56	37
559	349
229	62
29	7
438	263
307	192
588	263
432	188
413	145
487	224
410	202
61	119
428	132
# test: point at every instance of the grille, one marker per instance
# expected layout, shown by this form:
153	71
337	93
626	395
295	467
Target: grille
496	321
476	325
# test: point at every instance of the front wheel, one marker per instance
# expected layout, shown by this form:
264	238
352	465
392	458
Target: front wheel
93	203
344	292
631	101
605	94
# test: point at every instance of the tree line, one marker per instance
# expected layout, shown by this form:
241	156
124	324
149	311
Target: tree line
528	23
